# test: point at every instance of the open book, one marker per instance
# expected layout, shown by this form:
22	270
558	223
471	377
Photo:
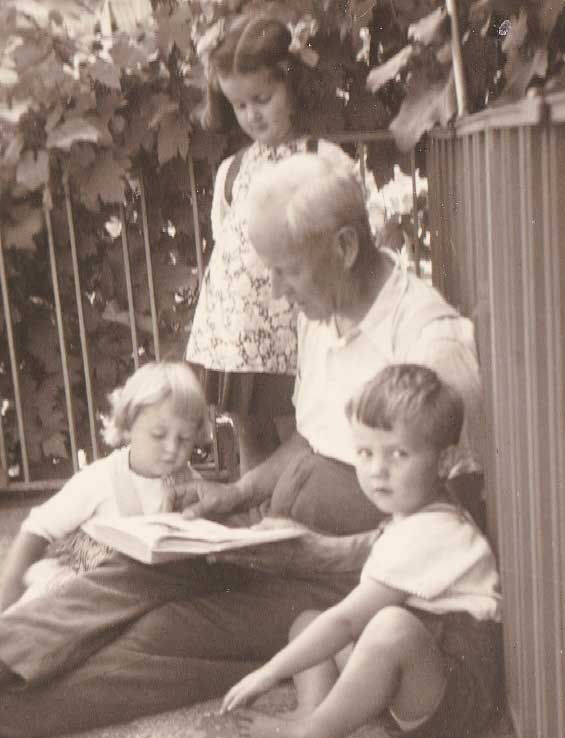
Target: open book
154	539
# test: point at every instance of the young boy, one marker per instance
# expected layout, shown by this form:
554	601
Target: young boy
418	637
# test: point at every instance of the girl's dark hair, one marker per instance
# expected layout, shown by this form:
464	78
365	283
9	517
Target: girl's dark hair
410	394
257	41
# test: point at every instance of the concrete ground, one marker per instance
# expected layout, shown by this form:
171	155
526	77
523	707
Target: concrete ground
198	721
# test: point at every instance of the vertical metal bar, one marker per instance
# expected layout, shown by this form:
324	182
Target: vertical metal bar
3	454
13	362
80	313
361	156
196	222
457	59
415	219
61	333
129	289
149	263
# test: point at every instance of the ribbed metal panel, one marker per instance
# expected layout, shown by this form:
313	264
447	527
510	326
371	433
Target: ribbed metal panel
507	209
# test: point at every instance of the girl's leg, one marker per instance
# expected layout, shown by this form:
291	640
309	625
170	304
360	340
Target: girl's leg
257	439
395	664
313	685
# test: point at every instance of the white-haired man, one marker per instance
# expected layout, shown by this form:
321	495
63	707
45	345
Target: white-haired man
127	639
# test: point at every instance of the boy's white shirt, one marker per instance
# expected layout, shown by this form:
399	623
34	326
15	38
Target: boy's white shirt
93	492
440	557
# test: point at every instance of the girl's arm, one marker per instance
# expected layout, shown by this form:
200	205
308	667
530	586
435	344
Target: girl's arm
25	551
327	635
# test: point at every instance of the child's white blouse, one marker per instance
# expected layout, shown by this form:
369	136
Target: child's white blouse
237	326
440	557
95	492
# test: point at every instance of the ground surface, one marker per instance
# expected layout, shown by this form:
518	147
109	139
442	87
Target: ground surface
199	721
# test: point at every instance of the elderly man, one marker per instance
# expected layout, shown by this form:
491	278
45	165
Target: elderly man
129	639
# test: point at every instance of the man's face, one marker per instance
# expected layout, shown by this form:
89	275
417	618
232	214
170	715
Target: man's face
306	274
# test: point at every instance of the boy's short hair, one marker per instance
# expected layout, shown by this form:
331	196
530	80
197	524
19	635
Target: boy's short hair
410	394
150	384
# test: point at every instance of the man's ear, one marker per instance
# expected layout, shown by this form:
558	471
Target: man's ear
348	245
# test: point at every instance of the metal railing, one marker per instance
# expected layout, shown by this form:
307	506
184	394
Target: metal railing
496	205
27	481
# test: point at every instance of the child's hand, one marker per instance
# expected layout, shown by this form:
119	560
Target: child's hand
248	689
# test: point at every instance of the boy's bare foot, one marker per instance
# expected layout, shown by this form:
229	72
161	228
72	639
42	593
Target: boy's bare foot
251	724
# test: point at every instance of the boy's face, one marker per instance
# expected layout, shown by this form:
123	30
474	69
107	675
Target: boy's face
261	105
161	441
397	469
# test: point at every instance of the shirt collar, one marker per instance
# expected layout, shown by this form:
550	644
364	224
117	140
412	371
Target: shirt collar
382	309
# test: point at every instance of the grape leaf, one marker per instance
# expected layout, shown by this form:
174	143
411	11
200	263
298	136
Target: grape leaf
382	74
104	179
426	104
172	139
33	172
432	28
208	145
125	54
105	73
54	445
72	130
26	222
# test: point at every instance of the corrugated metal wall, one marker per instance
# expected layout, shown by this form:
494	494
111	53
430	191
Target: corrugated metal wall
497	208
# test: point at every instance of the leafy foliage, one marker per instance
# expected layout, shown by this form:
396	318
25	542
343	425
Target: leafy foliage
99	102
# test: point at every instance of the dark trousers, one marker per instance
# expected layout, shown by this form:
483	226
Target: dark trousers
127	640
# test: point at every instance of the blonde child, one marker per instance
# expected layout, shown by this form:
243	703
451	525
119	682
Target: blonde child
155	420
242	341
417	639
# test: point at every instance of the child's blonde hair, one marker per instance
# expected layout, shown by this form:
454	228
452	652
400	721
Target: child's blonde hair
255	41
410	394
151	384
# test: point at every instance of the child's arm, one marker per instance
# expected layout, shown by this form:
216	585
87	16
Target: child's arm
25	551
327	635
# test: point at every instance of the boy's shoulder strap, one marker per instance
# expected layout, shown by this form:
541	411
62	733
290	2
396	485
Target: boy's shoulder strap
231	174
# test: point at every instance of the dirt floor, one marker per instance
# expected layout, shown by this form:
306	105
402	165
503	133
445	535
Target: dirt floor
198	721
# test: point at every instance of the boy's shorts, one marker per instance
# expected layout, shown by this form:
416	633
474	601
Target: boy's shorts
473	662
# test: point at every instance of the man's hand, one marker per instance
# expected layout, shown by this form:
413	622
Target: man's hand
207	499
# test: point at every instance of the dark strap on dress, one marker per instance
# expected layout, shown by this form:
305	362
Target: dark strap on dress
233	171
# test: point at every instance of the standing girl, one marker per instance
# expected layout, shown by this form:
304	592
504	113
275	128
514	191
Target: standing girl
156	418
243	342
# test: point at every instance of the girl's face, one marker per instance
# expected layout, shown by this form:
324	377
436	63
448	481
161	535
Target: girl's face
161	441
397	469
261	104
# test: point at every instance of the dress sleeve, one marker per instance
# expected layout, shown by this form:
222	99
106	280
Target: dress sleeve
425	553
219	204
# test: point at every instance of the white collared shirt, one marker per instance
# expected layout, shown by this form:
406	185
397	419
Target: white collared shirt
409	322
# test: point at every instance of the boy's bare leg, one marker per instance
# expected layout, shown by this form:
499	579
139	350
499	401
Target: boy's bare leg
314	685
395	663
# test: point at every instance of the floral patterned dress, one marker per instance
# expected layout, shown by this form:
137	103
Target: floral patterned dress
238	326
